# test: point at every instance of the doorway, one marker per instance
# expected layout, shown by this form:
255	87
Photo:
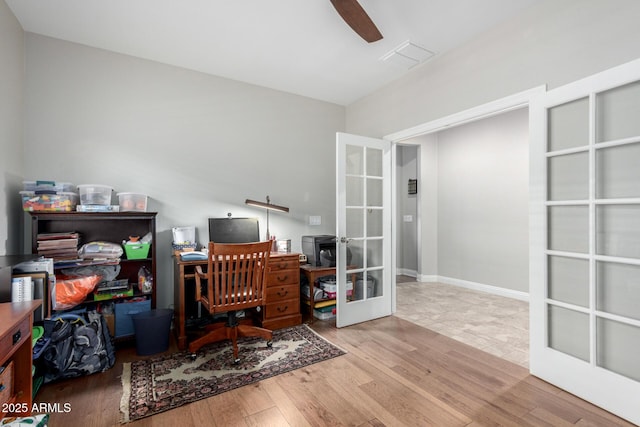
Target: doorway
473	219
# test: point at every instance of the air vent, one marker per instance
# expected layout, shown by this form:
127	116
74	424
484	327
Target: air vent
407	55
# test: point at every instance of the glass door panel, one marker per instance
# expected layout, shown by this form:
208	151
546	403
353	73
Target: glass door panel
568	125
569	177
568	280
354	191
354	160
374	163
618	171
613	336
374	253
568	228
374	192
618	230
374	222
618	289
618	110
569	332
355	222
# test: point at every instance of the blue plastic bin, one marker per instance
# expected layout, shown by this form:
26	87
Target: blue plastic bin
152	331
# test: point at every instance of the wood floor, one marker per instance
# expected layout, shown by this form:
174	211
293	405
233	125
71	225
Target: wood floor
396	373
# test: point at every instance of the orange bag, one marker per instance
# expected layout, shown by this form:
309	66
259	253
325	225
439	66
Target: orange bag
71	291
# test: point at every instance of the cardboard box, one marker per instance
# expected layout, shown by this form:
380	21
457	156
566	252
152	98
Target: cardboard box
110	319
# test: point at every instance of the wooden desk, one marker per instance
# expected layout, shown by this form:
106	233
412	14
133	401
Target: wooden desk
16	320
282	307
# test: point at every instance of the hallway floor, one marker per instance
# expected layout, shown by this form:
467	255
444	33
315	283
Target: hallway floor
495	324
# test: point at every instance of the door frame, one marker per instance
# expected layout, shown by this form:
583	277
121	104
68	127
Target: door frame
494	108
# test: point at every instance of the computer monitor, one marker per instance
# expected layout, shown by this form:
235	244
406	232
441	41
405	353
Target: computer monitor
234	230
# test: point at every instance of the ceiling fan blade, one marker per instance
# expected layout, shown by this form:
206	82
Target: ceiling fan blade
354	15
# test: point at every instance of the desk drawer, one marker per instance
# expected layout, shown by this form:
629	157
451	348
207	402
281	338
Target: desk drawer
276	264
282	308
279	293
283	277
6	384
22	332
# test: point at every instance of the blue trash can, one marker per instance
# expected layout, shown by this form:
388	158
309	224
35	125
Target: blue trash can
152	331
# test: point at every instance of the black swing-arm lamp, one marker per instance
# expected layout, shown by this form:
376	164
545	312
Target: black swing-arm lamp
269	207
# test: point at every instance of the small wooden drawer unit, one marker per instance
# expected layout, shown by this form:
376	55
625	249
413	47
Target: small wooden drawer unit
282	306
16	357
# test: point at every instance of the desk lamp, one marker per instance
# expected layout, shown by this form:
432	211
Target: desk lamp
269	207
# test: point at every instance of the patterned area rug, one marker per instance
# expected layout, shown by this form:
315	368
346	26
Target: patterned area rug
158	384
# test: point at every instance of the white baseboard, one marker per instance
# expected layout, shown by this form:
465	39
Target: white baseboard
406	272
496	290
427	278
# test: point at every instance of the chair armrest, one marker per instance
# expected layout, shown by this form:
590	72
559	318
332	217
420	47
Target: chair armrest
200	275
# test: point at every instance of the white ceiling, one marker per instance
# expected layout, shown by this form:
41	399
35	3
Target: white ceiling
297	46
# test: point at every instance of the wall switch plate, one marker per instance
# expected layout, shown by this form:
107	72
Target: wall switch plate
408	218
315	220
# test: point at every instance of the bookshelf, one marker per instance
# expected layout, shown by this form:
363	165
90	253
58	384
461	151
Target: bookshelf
114	227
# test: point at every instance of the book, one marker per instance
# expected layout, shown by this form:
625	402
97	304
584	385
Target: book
57	236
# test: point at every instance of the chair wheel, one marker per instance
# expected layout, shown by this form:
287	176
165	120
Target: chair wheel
269	343
193	356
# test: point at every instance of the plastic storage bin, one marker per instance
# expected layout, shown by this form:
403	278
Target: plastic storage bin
60	202
152	330
371	288
325	313
124	311
48	186
330	287
135	202
95	194
137	250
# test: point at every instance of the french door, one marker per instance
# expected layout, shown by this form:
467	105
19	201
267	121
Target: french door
585	241
364	246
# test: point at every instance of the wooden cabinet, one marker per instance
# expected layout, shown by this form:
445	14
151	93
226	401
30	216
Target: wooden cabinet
114	227
16	319
282	307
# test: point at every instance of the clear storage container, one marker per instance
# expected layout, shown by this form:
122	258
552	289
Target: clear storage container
95	194
132	202
60	202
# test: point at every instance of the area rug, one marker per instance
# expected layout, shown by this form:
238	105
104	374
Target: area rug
165	382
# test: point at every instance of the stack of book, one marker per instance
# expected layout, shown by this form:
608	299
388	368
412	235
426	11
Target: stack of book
59	246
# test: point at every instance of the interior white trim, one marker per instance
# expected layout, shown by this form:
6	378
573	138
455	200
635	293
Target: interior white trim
493	108
427	278
406	272
475	286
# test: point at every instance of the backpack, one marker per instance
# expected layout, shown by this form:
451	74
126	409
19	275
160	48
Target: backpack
80	345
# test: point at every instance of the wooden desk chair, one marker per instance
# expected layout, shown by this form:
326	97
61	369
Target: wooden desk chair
235	280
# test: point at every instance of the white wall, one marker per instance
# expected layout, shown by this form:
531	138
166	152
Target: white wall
483	202
553	42
11	130
198	145
428	210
